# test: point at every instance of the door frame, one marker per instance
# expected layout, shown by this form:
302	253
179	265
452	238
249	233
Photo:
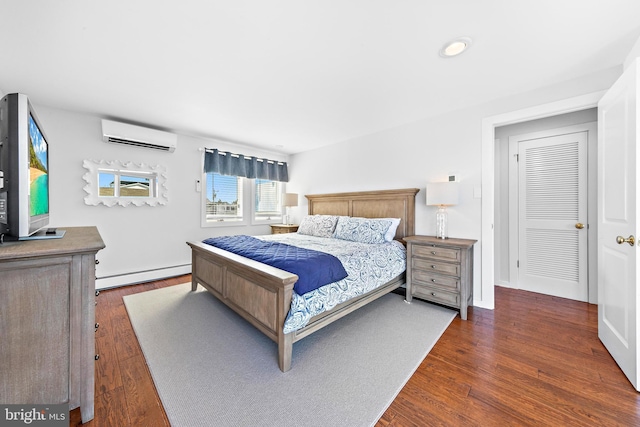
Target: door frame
592	204
486	297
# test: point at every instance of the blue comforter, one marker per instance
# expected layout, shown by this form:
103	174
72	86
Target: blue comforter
313	268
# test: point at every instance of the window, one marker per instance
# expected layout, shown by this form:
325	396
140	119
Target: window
223	198
241	190
267	201
117	184
113	183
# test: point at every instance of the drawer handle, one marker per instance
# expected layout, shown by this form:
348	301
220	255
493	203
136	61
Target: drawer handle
433	252
433	280
433	294
433	266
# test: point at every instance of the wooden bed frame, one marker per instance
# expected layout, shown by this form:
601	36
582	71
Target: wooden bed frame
262	294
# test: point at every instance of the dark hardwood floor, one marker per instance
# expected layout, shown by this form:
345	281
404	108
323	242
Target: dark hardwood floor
534	360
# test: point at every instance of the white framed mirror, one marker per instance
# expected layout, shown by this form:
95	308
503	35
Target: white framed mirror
112	183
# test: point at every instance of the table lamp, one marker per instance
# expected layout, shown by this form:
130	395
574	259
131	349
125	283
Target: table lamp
442	194
290	199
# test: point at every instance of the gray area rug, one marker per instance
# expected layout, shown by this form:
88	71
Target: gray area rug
212	368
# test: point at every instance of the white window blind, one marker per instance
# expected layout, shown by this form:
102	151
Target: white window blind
268	200
223	198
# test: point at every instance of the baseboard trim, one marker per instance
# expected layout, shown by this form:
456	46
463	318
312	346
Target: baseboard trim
141	276
506	285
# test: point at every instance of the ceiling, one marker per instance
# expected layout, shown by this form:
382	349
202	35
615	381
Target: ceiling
293	75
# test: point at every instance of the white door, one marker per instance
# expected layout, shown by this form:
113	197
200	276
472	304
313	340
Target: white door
552	213
617	219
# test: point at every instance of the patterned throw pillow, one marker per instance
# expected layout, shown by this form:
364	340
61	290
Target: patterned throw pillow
363	230
318	225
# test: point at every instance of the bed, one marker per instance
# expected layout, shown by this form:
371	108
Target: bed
262	294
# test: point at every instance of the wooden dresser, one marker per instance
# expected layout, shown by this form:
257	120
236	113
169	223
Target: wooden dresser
283	228
440	270
47	320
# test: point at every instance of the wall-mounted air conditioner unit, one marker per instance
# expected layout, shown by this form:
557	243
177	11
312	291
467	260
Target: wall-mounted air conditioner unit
138	136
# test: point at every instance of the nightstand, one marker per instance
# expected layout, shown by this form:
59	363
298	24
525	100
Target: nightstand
441	271
283	228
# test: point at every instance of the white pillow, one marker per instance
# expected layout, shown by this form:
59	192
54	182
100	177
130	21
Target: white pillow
391	232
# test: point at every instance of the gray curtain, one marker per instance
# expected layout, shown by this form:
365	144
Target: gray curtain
248	167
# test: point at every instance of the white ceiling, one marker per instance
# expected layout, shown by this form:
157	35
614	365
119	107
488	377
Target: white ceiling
292	75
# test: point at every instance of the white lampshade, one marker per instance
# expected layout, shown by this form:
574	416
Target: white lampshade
442	193
290	199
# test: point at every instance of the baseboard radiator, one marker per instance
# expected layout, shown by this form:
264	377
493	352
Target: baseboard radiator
141	276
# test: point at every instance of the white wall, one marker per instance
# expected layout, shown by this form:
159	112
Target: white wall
634	53
142	242
427	150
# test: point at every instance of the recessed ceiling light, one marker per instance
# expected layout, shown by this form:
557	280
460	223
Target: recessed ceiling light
455	47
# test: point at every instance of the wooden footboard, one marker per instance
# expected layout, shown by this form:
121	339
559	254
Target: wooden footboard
259	293
262	294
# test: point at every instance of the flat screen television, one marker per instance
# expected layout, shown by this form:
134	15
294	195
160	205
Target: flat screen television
24	171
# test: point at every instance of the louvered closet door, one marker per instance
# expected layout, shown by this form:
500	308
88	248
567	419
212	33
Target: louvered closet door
552	205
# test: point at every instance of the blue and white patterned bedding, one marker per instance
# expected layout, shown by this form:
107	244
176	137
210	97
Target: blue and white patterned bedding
368	266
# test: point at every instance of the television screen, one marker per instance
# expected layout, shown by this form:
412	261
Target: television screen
24	169
38	171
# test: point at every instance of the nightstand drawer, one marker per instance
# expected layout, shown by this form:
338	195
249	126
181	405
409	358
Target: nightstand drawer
428	279
433	251
436	295
283	228
436	266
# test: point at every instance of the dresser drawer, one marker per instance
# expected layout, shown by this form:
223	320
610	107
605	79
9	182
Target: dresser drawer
436	295
433	251
436	266
429	279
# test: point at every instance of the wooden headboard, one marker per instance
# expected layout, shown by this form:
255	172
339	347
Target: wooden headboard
370	204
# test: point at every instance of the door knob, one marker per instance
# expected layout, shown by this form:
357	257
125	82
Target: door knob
579	225
630	240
